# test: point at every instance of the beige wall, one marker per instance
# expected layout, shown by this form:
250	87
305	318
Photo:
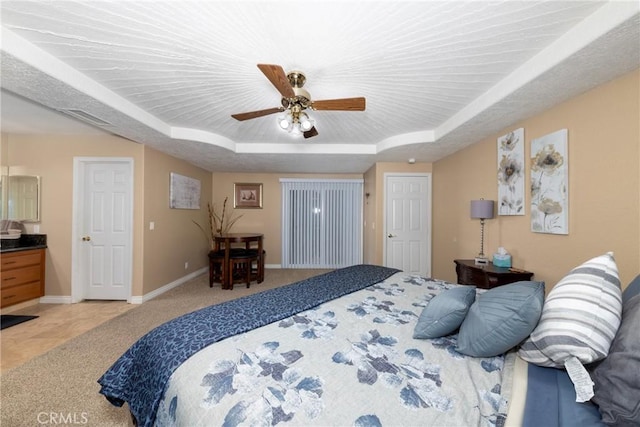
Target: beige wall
4	149
369	216
51	157
154	253
268	219
604	190
175	239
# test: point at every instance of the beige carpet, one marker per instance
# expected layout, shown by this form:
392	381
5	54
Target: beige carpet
60	387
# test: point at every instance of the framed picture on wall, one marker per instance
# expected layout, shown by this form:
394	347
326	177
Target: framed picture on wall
184	192
247	195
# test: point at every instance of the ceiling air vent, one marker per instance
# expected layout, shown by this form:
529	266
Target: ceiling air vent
85	117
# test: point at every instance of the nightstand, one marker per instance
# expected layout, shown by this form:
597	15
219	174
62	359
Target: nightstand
487	276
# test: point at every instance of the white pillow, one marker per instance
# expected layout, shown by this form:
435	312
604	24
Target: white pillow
580	317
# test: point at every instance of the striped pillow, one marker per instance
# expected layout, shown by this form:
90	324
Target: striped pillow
580	316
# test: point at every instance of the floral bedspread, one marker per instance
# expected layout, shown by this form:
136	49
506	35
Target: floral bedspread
349	361
139	377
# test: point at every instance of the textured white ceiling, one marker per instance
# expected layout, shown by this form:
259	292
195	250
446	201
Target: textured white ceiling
437	75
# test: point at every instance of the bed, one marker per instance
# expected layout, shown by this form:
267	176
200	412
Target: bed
336	349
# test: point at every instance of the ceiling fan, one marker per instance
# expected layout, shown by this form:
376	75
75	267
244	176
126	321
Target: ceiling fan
295	100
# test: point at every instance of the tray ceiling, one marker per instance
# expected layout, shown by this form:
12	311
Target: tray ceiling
437	76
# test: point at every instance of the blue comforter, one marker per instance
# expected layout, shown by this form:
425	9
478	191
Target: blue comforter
139	377
551	401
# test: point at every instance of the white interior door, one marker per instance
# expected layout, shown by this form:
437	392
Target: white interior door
408	222
104	229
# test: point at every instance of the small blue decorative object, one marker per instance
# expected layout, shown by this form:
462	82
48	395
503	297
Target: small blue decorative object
502	260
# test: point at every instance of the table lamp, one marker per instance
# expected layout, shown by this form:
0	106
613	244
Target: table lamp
481	209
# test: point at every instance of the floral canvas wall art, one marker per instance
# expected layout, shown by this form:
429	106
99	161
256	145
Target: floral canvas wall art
511	173
550	184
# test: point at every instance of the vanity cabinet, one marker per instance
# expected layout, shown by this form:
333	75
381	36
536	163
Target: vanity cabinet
22	276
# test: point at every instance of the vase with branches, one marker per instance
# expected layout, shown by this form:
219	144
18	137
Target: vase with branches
219	222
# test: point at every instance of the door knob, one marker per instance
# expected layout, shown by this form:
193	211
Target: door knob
391	235
86	238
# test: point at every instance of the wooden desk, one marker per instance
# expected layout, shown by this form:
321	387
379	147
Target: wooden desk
225	242
487	276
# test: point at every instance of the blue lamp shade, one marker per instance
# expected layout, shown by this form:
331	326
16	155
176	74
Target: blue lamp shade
482	209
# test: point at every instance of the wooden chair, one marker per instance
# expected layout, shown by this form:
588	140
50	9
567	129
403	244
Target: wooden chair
246	265
257	270
241	266
216	267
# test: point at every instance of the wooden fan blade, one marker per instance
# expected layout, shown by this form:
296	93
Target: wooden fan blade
278	78
311	132
255	114
344	104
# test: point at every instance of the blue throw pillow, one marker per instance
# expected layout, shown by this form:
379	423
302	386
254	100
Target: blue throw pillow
501	318
631	290
445	312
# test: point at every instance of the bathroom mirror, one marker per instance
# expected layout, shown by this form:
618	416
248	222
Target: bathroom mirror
20	198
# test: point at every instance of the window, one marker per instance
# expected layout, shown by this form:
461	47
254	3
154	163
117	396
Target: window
321	223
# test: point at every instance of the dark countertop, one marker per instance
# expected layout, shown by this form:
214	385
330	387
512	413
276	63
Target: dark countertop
24	243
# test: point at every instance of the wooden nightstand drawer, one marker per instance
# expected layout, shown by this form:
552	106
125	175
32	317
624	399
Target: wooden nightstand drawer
487	276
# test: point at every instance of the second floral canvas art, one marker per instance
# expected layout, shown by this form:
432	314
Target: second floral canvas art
549	184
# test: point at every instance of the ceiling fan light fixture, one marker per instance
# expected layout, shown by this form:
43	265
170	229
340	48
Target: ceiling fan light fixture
295	121
295	100
306	123
285	122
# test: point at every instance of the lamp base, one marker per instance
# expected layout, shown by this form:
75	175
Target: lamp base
481	261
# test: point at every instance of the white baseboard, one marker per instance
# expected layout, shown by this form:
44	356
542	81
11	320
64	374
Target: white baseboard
66	299
167	287
56	299
272	266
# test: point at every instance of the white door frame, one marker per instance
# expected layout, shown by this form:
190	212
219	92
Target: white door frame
428	213
79	172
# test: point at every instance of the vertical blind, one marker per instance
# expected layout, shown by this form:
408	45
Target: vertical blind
321	223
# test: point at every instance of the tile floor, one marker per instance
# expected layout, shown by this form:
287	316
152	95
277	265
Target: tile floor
57	324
